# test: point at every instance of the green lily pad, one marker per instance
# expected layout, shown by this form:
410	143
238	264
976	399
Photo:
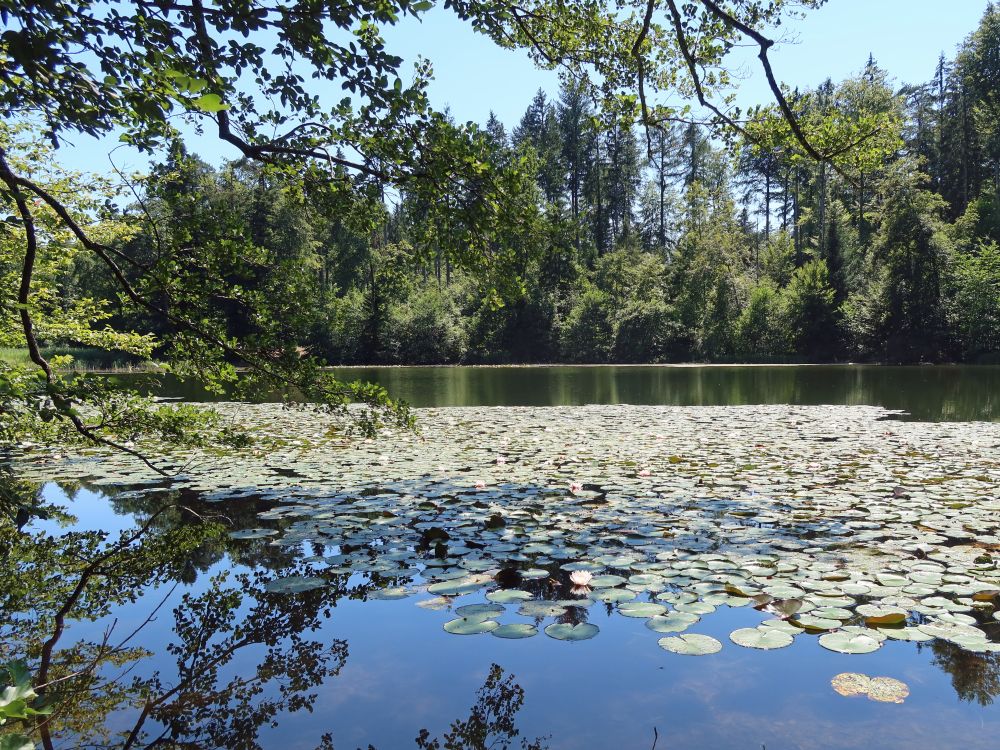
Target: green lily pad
878	615
762	638
390	594
474	610
640	609
690	644
815	624
541	609
849	643
606	581
612	596
470	626
566	632
506	596
515	630
672	622
252	533
294	584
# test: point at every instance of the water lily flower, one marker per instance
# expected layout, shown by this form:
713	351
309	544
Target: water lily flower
480	484
575	487
580	577
501	460
645	473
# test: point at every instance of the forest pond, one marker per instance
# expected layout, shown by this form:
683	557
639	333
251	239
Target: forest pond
685	558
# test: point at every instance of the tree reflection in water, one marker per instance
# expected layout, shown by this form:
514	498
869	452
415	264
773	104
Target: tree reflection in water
54	582
105	693
492	722
239	657
975	677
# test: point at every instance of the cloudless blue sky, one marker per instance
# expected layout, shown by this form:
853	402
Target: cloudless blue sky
473	76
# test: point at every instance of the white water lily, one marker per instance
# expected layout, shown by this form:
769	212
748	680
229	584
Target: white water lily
580	577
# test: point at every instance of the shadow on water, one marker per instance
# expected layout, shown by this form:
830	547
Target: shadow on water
926	393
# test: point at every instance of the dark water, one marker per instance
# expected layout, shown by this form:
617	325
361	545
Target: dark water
930	393
226	664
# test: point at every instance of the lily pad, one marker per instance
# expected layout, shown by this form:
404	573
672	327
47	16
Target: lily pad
850	684
849	643
475	610
253	533
541	609
762	638
515	630
672	622
505	596
567	632
294	584
690	644
470	626
641	609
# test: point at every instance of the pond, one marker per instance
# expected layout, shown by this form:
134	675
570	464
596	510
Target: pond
528	575
933	393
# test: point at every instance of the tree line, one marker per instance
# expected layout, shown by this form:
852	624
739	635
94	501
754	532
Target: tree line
625	244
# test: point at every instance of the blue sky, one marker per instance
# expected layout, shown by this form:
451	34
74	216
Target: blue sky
473	76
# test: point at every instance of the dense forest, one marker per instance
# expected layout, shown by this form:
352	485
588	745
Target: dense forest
630	244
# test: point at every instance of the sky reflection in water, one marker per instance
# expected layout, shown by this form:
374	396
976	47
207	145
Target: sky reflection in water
403	673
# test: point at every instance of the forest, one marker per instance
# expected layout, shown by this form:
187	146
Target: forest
665	244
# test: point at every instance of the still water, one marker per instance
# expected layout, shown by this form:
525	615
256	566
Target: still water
934	393
335	668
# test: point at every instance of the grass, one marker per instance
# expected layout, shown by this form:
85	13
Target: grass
84	359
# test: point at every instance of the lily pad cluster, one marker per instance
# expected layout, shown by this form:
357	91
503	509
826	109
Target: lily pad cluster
881	689
837	524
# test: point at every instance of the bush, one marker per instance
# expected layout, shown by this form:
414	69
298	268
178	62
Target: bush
426	329
587	335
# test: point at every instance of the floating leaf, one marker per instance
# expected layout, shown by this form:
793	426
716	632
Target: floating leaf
475	610
294	584
672	622
815	624
515	630
470	626
690	644
397	592
762	638
878	615
252	533
541	609
566	632
613	595
849	643
505	596
641	609
850	684
881	689
888	690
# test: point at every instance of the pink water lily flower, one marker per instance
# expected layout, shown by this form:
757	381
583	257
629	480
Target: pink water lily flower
480	485
580	577
575	487
501	460
645	473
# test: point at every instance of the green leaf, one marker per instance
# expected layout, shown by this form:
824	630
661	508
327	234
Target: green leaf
16	742
209	103
566	632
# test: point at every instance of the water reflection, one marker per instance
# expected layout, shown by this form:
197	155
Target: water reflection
492	721
163	635
975	677
931	393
